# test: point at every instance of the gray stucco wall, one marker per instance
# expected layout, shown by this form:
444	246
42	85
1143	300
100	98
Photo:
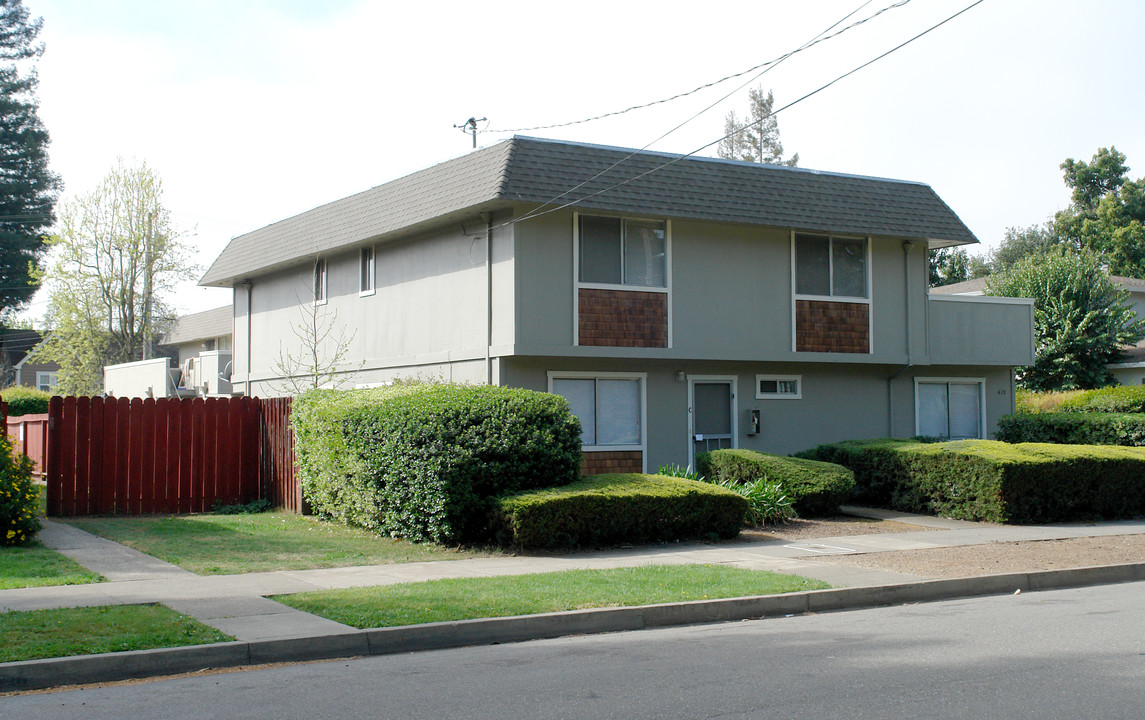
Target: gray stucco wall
427	315
837	403
731	299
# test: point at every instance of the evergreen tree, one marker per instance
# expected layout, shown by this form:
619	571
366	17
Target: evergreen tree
28	189
755	139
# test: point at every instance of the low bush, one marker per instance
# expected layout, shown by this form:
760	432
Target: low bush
1073	428
426	462
616	509
996	481
1114	399
814	488
19	500
25	400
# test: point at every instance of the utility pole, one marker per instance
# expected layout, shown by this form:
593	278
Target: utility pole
470	127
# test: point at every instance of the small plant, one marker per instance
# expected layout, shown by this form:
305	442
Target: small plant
679	471
254	506
767	504
19	500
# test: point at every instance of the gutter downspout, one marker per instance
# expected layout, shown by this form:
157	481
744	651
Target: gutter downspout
907	246
488	296
249	288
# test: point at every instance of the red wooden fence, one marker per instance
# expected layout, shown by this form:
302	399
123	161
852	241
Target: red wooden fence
29	435
139	456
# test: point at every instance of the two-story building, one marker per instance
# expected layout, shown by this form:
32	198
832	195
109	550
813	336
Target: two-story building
679	303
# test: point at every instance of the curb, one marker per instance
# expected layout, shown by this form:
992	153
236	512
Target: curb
109	667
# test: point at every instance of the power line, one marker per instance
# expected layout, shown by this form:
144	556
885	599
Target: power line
818	39
769	66
677	159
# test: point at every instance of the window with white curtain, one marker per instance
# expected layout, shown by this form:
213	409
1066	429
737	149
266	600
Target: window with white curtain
949	408
610	409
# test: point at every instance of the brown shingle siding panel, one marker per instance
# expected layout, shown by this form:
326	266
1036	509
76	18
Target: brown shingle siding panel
825	326
602	463
622	318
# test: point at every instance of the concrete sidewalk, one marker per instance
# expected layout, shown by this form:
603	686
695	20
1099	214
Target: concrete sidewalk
236	604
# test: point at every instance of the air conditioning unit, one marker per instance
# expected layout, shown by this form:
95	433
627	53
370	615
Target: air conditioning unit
188	373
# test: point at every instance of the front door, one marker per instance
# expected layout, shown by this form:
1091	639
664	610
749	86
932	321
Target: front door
711	406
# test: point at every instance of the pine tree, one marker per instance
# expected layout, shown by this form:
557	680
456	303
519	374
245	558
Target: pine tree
28	190
755	139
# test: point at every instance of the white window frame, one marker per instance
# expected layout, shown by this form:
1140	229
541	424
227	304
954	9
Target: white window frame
797	395
577	284
367	269
831	238
830	283
320	281
979	381
641	377
53	379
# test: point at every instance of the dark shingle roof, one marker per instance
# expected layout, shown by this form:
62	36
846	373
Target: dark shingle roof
531	170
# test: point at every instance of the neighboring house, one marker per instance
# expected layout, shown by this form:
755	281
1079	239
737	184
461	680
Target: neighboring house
200	345
1131	370
681	304
17	368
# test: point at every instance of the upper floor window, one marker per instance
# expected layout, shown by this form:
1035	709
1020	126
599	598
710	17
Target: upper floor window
47	381
622	251
831	266
319	281
366	271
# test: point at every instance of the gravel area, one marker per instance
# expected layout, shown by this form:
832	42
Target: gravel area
966	561
1002	557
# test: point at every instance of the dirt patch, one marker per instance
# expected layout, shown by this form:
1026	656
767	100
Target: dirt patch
1002	557
832	526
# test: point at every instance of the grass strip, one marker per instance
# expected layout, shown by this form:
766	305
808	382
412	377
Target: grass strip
91	630
231	544
503	596
34	565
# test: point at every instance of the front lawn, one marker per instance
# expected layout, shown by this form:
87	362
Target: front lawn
230	544
503	596
34	565
86	631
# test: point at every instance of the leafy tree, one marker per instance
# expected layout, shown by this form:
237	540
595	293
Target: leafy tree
28	190
1082	319
756	139
949	266
1020	243
1107	212
117	259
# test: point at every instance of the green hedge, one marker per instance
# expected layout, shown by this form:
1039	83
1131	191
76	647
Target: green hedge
425	462
815	487
1073	428
615	509
996	481
25	400
1115	399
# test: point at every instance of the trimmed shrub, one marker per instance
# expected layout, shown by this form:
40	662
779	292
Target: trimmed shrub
19	500
25	400
1073	428
426	462
996	481
615	509
1114	399
814	487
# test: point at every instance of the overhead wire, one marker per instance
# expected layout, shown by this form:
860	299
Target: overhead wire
678	158
769	66
815	41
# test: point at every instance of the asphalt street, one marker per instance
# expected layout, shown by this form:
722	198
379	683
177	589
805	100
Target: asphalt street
1054	654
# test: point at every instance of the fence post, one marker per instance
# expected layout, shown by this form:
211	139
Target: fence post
52	455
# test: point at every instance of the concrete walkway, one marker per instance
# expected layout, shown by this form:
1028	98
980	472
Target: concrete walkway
236	604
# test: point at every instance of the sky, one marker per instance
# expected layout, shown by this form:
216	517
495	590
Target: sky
256	111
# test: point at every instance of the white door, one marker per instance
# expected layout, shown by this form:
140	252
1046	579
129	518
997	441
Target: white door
712	414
